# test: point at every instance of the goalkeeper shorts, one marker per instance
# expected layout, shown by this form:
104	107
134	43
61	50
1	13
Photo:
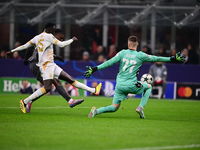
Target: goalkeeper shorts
121	91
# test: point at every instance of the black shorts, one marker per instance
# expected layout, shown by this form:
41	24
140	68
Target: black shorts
36	71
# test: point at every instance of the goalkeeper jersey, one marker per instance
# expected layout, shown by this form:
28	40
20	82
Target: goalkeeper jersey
130	62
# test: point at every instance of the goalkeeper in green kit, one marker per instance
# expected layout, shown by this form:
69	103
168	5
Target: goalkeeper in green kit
130	62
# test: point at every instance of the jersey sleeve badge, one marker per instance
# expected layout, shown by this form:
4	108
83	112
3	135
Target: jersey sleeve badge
148	56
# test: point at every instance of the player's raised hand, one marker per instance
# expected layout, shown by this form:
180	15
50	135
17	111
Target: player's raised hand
90	71
74	38
178	58
7	54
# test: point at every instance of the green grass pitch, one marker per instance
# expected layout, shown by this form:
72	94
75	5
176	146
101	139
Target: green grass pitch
52	125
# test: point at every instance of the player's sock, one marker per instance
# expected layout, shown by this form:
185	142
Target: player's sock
145	97
35	99
106	109
63	93
83	86
36	94
60	90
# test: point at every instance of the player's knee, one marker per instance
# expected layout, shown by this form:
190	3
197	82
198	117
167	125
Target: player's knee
66	77
40	80
71	80
149	86
113	108
48	89
57	82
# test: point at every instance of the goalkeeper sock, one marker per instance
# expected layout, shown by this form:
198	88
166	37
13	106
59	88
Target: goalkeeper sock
83	86
63	93
106	109
36	94
145	96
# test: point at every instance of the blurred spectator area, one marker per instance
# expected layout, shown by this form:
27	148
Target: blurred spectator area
170	24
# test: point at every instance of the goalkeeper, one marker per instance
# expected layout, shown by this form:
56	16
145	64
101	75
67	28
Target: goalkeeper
130	62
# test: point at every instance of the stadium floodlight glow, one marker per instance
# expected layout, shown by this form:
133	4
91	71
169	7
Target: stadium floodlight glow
45	13
141	15
92	14
188	18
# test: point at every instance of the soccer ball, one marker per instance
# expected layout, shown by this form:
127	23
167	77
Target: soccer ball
147	78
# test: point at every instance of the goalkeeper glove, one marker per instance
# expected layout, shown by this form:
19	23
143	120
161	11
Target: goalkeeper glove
178	58
90	71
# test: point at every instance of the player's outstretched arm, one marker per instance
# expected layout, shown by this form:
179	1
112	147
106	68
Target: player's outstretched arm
152	58
20	48
106	64
65	43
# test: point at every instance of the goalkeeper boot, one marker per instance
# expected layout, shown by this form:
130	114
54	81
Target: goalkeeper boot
93	112
139	110
22	106
75	102
28	108
98	89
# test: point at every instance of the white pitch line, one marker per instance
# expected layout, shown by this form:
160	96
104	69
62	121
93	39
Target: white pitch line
164	147
42	107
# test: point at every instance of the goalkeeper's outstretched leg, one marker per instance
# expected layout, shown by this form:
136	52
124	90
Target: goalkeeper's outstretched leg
106	109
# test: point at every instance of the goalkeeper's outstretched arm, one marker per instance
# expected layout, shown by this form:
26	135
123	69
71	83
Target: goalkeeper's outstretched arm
152	58
109	63
106	64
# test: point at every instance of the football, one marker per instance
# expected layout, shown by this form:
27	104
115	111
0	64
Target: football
147	78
